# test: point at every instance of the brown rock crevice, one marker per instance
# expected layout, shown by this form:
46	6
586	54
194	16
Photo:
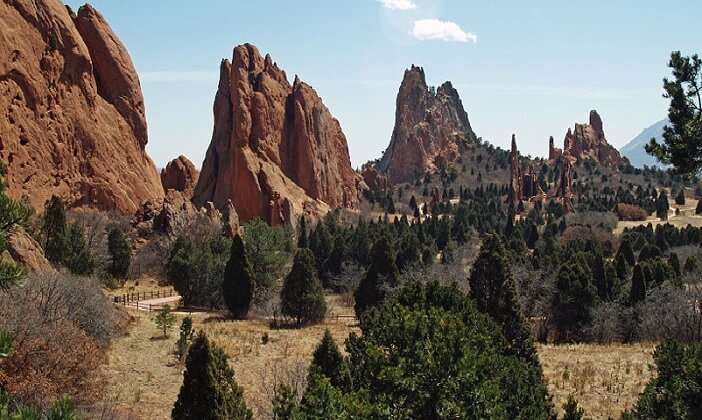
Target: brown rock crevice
276	150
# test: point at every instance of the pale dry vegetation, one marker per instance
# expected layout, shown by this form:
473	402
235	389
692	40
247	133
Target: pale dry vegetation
604	379
145	376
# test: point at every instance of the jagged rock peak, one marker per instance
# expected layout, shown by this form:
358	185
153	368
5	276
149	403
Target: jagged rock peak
276	150
74	122
588	141
430	126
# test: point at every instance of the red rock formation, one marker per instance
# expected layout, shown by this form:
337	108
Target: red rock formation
374	180
515	175
588	141
179	175
276	150
553	152
73	115
27	252
429	127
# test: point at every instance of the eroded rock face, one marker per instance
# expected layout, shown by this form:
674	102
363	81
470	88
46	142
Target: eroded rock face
276	150
587	141
180	175
430	127
72	120
27	252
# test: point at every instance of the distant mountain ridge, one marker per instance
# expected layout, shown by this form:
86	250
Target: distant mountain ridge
634	150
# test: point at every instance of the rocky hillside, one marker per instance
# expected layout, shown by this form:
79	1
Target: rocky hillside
634	150
430	126
276	150
72	119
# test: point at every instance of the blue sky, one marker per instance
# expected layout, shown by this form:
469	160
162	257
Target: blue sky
532	68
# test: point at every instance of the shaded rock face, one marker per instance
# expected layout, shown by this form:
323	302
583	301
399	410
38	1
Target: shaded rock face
179	175
587	141
71	110
430	127
373	179
27	252
276	150
522	186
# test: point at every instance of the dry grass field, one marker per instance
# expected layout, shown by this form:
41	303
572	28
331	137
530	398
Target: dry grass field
145	377
604	379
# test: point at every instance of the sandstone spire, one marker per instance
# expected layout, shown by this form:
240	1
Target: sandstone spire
276	150
431	126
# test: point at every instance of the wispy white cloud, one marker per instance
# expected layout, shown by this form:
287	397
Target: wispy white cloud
178	76
439	30
398	4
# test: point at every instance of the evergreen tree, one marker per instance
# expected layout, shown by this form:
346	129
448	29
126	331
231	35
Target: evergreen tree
662	206
627	252
120	253
209	390
327	359
77	256
680	197
382	270
698	209
493	289
238	284
674	262
683	137
638	285
164	319
301	297
571	411
690	263
54	230
302	239
12	213
573	301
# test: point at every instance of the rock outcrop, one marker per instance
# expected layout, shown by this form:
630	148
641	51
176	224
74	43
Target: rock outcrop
587	141
431	126
373	179
522	186
72	120
276	150
27	252
180	175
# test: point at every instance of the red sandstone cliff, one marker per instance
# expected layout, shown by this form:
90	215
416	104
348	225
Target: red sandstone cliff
72	120
430	126
276	150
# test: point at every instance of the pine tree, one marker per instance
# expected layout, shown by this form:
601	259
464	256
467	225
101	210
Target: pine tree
690	263
662	206
238	283
627	252
493	289
12	213
327	359
382	269
77	256
164	319
120	253
674	262
209	389
54	230
638	285
301	297
302	239
680	197
571	411
698	209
